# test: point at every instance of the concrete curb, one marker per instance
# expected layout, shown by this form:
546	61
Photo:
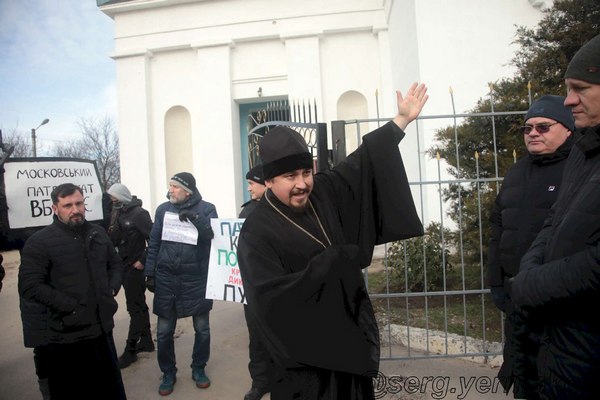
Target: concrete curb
438	342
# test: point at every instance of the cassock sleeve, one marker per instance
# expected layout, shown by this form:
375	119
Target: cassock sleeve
372	193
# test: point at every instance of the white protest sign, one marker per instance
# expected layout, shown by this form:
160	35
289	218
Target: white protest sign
224	280
178	231
29	182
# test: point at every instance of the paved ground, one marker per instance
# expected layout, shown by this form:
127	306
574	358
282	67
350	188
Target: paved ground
227	368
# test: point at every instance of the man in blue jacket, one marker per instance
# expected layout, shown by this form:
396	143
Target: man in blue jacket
176	271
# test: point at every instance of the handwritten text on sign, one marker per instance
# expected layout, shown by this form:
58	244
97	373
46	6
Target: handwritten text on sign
29	182
224	279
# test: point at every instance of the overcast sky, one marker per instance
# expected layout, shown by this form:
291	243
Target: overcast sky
54	63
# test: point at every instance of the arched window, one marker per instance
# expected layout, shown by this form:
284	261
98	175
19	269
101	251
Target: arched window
353	105
178	141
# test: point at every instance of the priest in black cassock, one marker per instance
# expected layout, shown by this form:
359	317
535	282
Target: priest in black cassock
301	253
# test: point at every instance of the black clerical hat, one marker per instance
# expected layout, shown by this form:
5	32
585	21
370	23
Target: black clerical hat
283	150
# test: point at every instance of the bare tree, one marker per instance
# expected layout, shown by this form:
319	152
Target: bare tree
99	142
22	146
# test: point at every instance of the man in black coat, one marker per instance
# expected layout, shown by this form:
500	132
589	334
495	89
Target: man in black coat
302	249
72	268
256	188
129	229
528	191
259	364
559	277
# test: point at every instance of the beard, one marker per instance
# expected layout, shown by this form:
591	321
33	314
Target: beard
175	200
76	220
298	208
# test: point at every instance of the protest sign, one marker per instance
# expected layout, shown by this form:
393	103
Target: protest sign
224	280
28	183
178	231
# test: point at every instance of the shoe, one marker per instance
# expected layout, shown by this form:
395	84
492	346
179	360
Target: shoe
256	393
200	377
128	357
167	384
145	344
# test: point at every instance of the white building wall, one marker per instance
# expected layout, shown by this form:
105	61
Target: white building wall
208	56
135	127
217	146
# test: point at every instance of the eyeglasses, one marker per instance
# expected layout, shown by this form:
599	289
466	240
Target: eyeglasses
540	128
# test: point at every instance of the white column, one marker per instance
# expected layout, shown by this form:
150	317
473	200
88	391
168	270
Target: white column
215	132
135	129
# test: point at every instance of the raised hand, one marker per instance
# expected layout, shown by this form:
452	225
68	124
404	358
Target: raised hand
410	106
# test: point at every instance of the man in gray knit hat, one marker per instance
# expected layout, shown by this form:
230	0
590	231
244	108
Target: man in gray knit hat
129	230
559	277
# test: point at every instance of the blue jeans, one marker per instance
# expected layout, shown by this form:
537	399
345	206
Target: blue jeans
165	331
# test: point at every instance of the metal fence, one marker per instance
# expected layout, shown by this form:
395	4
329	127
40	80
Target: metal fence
430	294
297	115
454	316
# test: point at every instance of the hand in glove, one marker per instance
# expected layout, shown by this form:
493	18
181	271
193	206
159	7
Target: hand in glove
150	285
186	213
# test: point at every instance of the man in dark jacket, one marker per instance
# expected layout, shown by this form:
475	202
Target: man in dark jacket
71	267
302	249
528	191
256	188
259	357
559	277
129	229
176	271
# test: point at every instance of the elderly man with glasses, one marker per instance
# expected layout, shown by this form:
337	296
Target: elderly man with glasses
528	191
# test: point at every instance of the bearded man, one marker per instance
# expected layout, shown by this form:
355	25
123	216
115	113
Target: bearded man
302	249
72	268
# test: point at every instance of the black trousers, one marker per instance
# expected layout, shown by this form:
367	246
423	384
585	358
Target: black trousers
41	360
86	369
135	288
260	361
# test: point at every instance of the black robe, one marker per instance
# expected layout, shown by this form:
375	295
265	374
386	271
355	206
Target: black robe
310	300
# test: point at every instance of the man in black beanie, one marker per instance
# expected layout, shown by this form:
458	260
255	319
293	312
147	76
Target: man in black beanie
559	277
176	271
256	188
302	250
259	364
529	189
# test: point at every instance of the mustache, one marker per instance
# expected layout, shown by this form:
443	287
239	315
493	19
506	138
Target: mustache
298	191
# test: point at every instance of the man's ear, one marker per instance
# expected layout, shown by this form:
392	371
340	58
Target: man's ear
54	208
269	183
